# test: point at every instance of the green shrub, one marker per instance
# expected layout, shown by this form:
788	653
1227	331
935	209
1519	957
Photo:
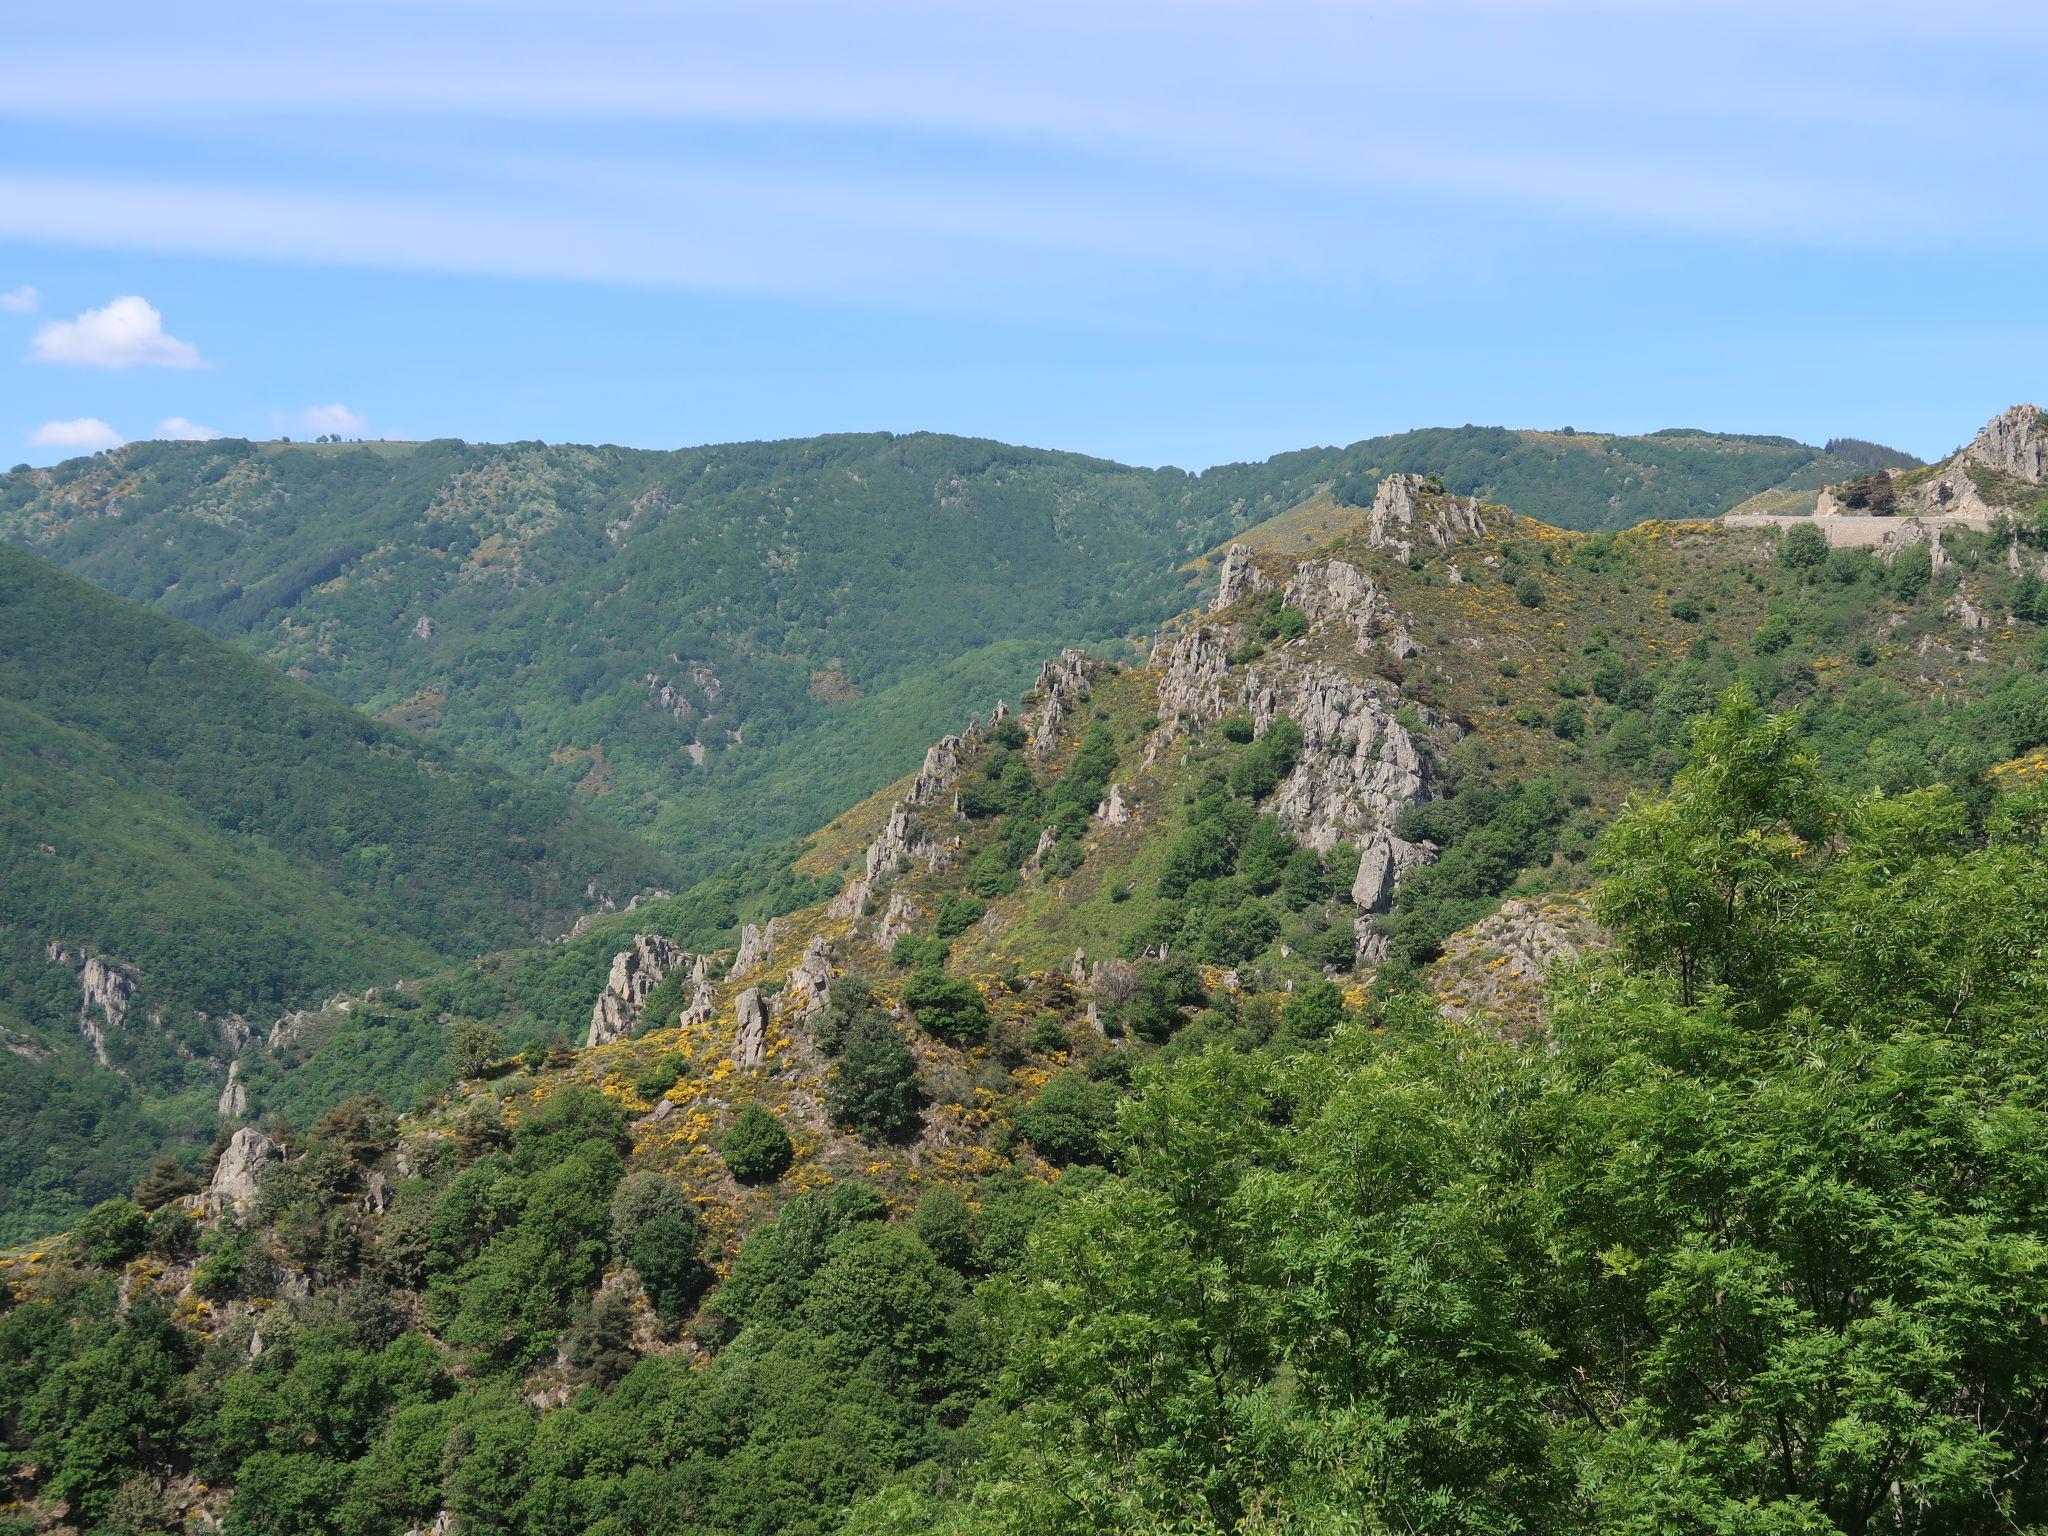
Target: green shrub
112	1233
756	1147
949	1007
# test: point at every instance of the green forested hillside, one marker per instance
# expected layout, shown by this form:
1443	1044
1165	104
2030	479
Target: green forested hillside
722	647
1749	1243
237	844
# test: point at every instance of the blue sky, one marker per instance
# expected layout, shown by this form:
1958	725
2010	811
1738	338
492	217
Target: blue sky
1182	232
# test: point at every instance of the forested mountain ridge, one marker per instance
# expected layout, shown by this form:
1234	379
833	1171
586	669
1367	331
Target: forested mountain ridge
722	647
191	844
902	1215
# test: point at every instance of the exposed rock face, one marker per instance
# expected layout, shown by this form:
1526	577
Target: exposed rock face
105	991
234	1098
900	840
702	1002
2015	443
636	972
755	943
900	918
810	983
1359	765
1403	513
1238	578
750	1029
2013	446
852	901
1197	680
1497	966
1334	591
237	1175
424	629
1967	613
1113	812
943	765
1060	682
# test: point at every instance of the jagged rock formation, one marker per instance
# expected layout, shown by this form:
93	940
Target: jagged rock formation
636	972
1061	682
1404	510
238	1175
105	991
2015	443
1359	765
750	1029
942	768
1196	681
852	901
702	1000
1113	812
1238	578
757	941
234	1097
1333	591
810	983
901	917
1495	969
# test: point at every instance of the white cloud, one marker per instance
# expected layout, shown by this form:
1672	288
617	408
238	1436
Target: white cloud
330	418
20	301
126	333
87	434
177	429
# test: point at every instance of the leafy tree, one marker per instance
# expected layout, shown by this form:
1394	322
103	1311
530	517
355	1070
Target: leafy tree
949	1007
1066	1120
668	1256
875	1089
756	1147
944	1223
112	1233
472	1046
166	1180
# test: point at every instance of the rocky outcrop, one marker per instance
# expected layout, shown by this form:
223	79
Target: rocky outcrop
1406	512
1965	612
852	901
105	991
1333	591
1113	812
424	628
899	844
901	917
750	1029
756	942
2006	458
810	983
1238	578
1359	765
1061	682
703	1001
636	972
944	762
2015	443
1496	968
234	1097
238	1176
1195	681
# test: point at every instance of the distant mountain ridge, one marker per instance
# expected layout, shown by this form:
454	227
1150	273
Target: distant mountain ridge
722	647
